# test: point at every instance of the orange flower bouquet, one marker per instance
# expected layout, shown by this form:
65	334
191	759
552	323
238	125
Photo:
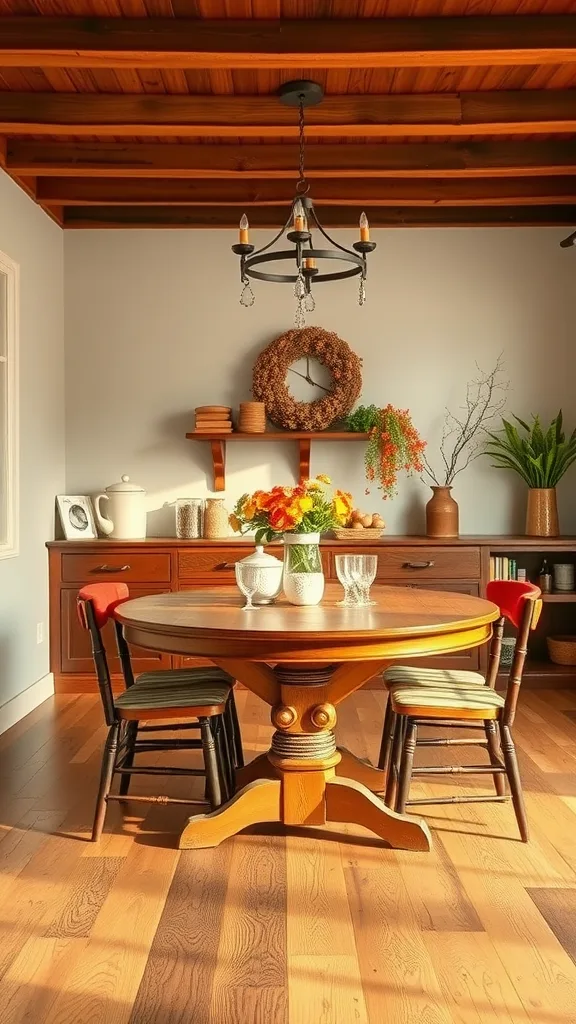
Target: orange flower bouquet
307	508
393	445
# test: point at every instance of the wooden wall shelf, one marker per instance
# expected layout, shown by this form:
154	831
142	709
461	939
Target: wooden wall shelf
303	438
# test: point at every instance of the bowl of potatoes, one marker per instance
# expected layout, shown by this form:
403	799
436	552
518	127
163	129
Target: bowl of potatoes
361	526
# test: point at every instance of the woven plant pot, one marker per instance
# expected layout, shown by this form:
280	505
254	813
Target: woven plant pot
542	512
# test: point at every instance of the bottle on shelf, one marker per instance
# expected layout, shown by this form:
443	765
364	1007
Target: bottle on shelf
545	578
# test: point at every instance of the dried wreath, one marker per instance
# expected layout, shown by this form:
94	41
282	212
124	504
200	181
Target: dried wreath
272	366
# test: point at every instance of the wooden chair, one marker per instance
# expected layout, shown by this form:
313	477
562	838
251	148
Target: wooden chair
471	707
197	698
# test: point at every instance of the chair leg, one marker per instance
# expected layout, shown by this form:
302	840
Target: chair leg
132	732
493	750
236	734
513	773
394	762
406	765
210	763
387	736
106	775
225	756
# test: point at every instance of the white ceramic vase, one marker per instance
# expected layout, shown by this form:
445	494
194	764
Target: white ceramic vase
303	577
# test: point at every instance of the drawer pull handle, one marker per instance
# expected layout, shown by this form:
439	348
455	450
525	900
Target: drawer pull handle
111	568
418	565
226	565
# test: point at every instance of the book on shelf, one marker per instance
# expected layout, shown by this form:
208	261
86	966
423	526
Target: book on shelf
504	568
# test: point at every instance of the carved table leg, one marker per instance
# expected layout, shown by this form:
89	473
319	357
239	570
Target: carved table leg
259	801
349	801
294	782
356	768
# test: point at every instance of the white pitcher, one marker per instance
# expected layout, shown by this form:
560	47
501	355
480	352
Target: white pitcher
126	509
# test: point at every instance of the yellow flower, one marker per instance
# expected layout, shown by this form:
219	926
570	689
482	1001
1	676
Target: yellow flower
249	511
234	523
323	478
312	485
304	504
341	508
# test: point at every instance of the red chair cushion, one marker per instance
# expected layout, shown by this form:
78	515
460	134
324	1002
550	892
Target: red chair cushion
105	597
510	595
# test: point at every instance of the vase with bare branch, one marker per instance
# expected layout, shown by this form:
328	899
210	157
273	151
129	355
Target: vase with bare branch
463	439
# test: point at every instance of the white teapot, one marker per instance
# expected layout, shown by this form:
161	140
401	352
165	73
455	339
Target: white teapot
127	511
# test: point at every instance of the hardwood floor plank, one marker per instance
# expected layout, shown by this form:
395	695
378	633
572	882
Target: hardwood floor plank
399	981
87	888
318	914
101	985
558	908
539	968
250	978
177	980
30	987
326	990
474	987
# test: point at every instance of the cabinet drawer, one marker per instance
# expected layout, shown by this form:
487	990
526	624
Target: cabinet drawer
217	566
128	566
425	563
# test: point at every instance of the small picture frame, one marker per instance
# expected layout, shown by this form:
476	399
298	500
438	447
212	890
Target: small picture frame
76	516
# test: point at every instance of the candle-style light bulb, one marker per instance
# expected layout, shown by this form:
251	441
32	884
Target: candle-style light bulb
244	225
299	216
364	228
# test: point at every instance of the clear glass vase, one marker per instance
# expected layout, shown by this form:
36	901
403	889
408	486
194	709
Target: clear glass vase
303	581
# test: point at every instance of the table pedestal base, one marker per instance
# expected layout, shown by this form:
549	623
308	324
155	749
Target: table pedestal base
304	779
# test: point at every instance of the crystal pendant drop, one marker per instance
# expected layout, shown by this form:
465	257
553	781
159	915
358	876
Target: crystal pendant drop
299	318
361	293
309	303
299	287
247	297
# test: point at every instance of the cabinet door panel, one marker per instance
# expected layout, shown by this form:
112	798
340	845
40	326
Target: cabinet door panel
75	640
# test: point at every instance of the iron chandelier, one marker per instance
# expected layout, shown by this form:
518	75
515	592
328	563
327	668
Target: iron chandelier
302	221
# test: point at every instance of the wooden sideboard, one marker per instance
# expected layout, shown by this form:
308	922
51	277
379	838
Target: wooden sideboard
157	565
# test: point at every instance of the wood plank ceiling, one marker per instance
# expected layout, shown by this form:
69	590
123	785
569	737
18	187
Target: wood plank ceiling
163	112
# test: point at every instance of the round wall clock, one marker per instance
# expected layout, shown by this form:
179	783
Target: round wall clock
270	384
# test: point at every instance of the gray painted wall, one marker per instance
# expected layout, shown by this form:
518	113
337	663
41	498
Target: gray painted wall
30	238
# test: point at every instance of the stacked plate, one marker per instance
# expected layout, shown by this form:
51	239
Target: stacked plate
252	418
213	419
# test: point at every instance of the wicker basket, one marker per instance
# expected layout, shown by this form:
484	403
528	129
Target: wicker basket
366	533
562	649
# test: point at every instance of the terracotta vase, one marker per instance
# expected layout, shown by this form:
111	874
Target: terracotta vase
441	514
542	512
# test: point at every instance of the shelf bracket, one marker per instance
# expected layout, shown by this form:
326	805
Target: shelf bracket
304	459
219	462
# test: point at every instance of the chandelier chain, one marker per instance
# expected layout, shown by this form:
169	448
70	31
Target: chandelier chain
302	186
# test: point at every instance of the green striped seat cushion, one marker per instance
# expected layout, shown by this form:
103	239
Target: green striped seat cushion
190	676
182	688
409	675
474	699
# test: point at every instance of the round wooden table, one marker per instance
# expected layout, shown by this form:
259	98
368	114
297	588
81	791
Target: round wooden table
303	662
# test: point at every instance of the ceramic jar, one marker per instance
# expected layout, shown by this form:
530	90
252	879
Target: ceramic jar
215	519
303	577
126	511
442	514
265	575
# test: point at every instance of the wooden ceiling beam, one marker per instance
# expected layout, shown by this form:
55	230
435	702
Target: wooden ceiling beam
376	43
333	217
345	192
468	113
504	158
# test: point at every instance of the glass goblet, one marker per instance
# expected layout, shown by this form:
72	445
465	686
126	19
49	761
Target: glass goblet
356	574
247	580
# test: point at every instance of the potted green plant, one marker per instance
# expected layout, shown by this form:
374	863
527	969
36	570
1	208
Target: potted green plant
541	457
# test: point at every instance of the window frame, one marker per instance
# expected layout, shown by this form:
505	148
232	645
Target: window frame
9	437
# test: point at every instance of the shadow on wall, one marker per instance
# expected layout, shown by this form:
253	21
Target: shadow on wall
7	667
161	522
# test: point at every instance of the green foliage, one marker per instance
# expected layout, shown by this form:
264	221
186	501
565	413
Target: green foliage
540	456
363	419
